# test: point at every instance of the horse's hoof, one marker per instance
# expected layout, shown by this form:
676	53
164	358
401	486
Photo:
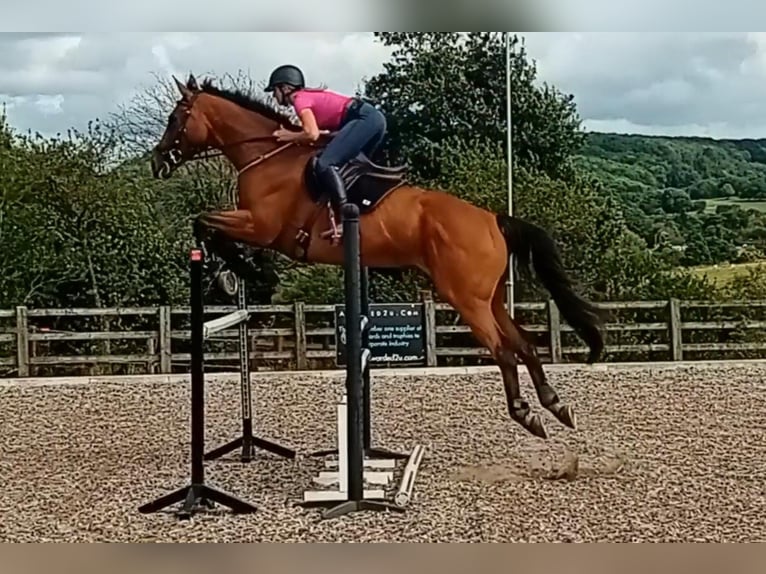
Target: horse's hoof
228	282
533	423
566	415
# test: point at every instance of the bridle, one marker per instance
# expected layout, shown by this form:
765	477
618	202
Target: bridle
174	157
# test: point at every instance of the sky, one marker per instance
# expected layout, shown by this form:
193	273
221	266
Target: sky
690	83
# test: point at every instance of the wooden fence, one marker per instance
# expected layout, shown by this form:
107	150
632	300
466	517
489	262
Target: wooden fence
49	342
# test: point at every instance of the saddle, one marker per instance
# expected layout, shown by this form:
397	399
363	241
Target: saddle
366	182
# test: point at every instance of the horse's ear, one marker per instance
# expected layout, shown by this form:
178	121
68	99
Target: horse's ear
185	92
191	83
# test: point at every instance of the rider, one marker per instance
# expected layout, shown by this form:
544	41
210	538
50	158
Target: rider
361	127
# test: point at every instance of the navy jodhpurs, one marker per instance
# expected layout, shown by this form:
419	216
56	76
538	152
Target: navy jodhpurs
362	130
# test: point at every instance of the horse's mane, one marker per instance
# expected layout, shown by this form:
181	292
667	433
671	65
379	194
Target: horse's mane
265	107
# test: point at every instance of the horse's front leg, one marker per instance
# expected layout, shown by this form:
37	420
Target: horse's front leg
218	233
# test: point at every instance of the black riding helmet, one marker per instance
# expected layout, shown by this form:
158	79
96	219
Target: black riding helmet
290	75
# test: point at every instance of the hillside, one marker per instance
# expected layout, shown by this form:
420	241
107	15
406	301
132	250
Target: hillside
698	200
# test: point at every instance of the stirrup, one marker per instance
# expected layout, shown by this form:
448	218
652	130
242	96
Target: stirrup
335	233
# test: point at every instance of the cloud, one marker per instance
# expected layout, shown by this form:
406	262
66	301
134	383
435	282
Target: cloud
89	75
674	83
693	83
49	105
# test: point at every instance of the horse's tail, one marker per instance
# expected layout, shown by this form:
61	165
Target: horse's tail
526	240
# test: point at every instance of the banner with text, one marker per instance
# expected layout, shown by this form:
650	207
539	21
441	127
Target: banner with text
396	334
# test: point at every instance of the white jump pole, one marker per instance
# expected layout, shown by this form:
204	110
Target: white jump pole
223	323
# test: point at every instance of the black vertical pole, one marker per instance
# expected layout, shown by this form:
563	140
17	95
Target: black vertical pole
355	500
197	493
353	352
197	371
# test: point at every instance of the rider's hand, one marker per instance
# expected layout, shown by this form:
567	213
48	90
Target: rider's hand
283	135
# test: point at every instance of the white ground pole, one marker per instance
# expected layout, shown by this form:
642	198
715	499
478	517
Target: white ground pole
509	117
404	494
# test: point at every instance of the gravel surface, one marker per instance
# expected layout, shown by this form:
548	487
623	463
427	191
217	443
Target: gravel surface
660	455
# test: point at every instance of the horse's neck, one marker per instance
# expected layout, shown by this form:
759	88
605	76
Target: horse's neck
234	125
272	188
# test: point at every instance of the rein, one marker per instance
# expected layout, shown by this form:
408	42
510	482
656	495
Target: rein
209	152
264	157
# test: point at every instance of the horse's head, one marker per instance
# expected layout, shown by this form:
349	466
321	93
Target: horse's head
186	132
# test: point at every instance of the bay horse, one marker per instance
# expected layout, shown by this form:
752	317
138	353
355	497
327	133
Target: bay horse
462	248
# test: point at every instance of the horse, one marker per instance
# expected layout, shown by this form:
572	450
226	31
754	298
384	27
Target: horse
463	249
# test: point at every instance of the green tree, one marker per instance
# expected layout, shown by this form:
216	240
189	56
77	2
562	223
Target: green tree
676	201
727	190
77	230
439	87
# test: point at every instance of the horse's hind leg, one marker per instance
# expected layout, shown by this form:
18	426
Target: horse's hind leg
525	349
483	326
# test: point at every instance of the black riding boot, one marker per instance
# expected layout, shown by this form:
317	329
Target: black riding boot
332	181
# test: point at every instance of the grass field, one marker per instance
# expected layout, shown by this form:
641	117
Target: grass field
722	274
758	205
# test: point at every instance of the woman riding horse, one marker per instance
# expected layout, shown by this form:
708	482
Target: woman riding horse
464	249
361	127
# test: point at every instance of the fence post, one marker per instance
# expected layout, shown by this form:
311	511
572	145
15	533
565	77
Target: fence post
152	351
22	342
429	313
299	316
554	330
165	337
674	330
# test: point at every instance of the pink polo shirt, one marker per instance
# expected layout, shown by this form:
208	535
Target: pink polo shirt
328	106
